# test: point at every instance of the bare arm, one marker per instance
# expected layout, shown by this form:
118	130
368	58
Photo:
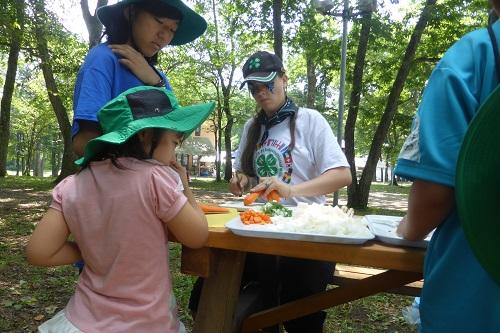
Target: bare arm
49	245
428	205
187	190
136	62
328	182
88	131
238	183
190	225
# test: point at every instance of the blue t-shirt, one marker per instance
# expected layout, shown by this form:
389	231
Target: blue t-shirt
458	294
100	79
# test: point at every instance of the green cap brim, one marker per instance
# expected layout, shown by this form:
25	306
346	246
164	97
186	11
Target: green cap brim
478	185
182	120
190	27
262	77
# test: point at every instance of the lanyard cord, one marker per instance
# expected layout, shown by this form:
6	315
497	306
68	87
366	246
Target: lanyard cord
495	50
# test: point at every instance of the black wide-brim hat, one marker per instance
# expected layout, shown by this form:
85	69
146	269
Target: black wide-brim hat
191	26
478	185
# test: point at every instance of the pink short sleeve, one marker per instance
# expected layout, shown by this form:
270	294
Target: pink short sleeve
57	193
167	196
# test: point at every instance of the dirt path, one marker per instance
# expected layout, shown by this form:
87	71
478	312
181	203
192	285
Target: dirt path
380	200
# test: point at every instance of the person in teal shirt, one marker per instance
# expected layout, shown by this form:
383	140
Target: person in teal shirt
458	294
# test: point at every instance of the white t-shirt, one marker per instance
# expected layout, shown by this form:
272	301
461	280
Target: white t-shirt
316	151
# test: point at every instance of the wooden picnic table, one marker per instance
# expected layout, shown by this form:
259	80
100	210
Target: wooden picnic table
222	260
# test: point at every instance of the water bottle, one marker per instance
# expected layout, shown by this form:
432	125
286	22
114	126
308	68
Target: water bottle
412	313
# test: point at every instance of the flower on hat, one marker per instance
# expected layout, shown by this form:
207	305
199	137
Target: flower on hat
254	63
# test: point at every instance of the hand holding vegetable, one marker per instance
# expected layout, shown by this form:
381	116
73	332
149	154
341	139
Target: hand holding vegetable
238	183
251	197
272	184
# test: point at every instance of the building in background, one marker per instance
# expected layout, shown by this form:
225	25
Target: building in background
195	152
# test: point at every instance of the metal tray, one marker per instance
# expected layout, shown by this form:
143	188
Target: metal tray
266	231
240	206
384	228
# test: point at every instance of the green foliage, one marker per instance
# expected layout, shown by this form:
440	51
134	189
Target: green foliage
34	128
210	67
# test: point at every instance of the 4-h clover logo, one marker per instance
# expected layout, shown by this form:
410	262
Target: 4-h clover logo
267	165
254	63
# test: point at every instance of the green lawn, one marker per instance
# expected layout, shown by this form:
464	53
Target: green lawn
30	295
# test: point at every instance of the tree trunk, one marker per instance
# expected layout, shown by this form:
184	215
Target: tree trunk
228	170
29	152
278	28
360	198
19	153
53	159
354	101
94	27
219	145
36	160
311	82
68	167
223	103
394	180
8	88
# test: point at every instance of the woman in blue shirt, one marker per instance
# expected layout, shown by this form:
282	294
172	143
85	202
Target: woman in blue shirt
136	31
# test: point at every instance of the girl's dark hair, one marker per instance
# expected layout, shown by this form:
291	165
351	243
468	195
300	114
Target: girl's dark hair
495	3
253	137
130	148
119	31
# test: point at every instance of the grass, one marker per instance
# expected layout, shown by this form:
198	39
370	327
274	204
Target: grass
31	295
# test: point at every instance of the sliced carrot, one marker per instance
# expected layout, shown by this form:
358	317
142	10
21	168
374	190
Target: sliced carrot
209	209
253	217
273	196
251	197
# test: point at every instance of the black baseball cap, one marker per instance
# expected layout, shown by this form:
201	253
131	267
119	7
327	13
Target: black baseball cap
261	66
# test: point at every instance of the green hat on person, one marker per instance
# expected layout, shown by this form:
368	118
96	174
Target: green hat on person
190	27
478	185
140	108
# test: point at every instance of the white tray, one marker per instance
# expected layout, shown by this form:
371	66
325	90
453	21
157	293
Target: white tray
264	231
384	228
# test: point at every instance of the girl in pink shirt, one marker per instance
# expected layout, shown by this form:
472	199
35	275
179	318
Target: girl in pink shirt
120	210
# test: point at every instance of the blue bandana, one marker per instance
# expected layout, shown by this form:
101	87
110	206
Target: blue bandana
288	109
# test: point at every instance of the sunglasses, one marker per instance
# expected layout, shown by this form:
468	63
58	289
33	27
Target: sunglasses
254	87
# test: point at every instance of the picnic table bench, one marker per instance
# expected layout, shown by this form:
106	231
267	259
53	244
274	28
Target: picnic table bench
346	274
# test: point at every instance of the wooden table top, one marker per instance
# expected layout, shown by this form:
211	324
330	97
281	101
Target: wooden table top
371	253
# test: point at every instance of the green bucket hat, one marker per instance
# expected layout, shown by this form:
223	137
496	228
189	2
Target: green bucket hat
191	26
478	185
140	108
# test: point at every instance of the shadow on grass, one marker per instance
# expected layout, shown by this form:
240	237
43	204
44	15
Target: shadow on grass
31	295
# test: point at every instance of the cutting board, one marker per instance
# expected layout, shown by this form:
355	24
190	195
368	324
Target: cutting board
219	220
